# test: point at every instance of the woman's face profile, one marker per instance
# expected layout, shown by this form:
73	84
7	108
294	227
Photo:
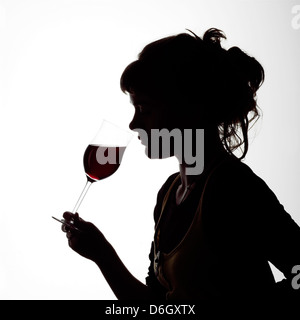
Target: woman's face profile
150	115
160	125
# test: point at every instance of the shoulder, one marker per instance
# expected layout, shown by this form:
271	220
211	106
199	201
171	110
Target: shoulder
235	193
234	176
241	200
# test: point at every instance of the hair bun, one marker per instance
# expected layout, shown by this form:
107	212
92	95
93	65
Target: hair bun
214	36
248	67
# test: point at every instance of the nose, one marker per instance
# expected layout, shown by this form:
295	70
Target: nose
135	122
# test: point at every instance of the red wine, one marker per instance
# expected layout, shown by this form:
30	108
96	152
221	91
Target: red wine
101	162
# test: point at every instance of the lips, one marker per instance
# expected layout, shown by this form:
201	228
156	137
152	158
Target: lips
142	136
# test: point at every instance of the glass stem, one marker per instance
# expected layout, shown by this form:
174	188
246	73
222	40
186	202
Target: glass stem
83	193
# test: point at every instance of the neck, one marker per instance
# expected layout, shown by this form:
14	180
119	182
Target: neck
213	149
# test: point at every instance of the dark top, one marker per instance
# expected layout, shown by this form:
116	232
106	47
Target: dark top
245	225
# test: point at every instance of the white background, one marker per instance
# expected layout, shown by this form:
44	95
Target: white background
61	61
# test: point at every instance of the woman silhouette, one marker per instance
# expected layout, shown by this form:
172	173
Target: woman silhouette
215	231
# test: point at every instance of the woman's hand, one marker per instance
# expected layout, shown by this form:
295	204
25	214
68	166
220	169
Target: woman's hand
89	242
85	238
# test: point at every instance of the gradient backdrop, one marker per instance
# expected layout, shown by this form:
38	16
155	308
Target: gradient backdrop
61	61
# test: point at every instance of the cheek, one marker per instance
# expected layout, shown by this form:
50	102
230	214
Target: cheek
171	121
164	119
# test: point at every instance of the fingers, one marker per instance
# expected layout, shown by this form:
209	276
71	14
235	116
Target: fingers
70	216
71	222
64	228
69	234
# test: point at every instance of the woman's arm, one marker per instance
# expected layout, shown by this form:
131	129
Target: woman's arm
124	285
90	243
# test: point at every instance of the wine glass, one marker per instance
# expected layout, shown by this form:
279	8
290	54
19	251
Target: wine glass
102	157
